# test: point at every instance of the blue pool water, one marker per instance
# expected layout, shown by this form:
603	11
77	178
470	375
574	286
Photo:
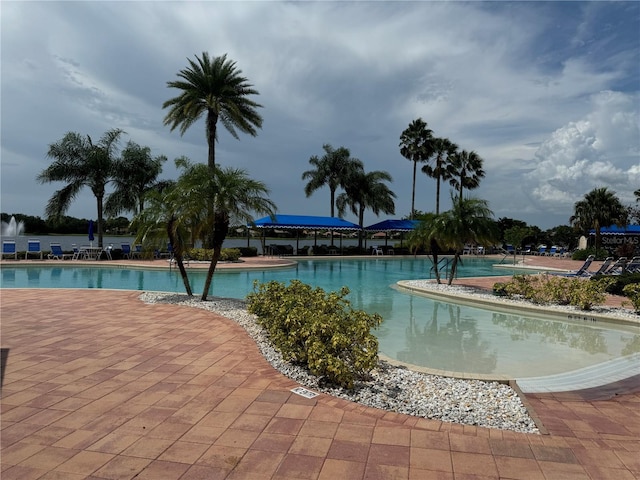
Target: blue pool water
416	330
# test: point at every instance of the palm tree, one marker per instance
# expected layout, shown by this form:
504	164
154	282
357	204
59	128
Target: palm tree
637	194
80	163
164	218
443	149
237	197
366	190
465	171
416	145
215	87
599	208
332	170
135	173
423	237
469	221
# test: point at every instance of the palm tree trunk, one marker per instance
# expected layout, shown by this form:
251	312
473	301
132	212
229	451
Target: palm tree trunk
454	267
177	254
220	232
413	190
100	220
434	254
438	195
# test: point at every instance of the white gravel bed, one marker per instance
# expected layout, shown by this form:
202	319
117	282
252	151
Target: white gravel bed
396	389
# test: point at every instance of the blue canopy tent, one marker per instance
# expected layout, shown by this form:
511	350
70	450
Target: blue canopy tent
304	222
390	225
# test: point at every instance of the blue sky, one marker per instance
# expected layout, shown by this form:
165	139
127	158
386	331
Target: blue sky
547	93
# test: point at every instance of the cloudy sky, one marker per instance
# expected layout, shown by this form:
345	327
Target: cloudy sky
546	93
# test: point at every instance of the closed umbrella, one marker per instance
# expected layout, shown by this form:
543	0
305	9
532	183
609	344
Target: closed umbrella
91	237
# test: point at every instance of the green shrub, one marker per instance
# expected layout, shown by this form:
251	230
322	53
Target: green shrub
206	254
582	255
632	291
317	329
551	289
248	251
620	281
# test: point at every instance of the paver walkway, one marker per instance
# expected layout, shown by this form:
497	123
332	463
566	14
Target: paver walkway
99	385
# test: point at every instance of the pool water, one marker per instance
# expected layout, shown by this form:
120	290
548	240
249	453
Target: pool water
416	330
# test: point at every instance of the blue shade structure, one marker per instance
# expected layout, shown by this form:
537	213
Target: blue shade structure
304	222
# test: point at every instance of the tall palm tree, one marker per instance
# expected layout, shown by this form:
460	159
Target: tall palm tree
216	88
237	197
81	163
332	170
465	171
135	173
366	190
416	145
444	150
637	194
599	208
468	221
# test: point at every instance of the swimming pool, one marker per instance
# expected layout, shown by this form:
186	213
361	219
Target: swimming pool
416	330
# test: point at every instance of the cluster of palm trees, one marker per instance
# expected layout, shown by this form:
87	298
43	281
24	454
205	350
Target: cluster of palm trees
204	200
462	168
361	190
81	162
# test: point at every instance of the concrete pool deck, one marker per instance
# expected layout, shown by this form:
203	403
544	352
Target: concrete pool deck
99	385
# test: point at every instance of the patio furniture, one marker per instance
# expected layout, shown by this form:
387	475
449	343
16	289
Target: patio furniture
57	253
9	248
33	248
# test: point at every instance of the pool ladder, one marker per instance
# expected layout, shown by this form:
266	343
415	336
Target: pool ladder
444	264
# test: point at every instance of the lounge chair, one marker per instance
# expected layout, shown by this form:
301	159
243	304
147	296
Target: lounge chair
57	253
618	267
633	266
126	250
583	271
375	250
603	268
9	248
552	251
33	248
137	252
542	250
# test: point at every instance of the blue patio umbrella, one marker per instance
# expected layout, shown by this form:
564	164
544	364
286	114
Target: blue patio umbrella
91	237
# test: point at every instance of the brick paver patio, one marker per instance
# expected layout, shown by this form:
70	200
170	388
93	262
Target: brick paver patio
99	385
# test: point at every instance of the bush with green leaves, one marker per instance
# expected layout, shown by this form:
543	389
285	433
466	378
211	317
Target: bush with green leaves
206	254
317	329
552	289
582	255
632	291
620	281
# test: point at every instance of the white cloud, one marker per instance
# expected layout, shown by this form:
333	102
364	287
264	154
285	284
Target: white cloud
599	150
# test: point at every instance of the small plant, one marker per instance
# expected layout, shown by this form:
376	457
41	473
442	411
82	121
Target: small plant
317	329
632	291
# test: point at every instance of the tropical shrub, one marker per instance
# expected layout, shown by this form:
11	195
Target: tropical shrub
632	291
620	281
317	329
206	254
551	289
582	255
248	251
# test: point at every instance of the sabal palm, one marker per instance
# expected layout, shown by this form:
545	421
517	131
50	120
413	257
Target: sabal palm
599	208
236	198
366	191
135	173
443	150
332	170
469	221
81	163
213	87
416	145
465	171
